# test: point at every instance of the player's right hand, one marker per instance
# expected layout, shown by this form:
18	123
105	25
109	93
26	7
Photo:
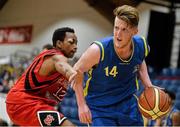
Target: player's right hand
85	114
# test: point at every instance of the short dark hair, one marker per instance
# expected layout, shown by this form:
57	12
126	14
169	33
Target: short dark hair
59	34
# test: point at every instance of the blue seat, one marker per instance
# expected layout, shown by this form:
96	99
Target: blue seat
173	86
74	102
67	101
178	91
177	104
157	82
166	72
175	72
65	110
178	96
151	72
165	83
71	102
175	82
74	112
69	93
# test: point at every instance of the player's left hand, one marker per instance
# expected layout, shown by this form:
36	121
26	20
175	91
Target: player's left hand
85	114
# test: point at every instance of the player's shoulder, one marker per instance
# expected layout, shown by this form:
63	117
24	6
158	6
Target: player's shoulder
142	45
50	52
104	42
106	39
53	51
139	39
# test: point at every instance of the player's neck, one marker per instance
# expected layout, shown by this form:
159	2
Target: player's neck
125	52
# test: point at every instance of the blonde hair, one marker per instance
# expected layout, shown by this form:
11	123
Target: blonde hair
128	14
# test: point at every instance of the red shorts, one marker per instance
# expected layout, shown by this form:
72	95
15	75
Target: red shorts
34	114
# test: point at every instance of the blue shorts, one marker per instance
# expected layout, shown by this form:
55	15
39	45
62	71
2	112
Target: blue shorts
124	113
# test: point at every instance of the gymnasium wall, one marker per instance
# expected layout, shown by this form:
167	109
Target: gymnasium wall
47	15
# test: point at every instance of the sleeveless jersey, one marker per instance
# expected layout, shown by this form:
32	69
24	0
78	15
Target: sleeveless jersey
31	86
114	79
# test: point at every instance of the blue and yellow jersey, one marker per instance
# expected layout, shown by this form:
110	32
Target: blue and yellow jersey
114	79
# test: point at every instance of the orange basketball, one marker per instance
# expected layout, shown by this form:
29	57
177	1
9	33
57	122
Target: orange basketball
154	103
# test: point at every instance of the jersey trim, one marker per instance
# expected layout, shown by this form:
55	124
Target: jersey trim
145	46
102	49
137	84
87	82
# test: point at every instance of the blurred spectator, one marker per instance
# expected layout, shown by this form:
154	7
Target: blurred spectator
47	47
6	77
3	122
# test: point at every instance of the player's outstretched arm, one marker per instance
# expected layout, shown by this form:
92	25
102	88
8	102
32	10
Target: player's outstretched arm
62	66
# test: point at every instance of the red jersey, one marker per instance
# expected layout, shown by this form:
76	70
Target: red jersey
32	87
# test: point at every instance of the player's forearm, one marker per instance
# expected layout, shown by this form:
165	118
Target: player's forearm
78	88
65	69
80	67
144	76
145	79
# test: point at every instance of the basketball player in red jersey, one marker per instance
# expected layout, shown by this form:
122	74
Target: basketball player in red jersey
32	99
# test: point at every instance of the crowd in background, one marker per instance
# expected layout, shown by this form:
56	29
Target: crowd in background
10	72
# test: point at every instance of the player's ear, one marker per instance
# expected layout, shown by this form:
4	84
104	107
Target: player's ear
135	31
59	43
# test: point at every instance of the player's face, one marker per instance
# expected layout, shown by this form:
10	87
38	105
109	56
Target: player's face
123	33
69	45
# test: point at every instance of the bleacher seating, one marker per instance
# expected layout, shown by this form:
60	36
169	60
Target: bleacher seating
169	73
169	79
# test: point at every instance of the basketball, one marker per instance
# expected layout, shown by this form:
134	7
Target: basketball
154	103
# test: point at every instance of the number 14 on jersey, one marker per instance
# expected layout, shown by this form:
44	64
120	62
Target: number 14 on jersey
111	71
